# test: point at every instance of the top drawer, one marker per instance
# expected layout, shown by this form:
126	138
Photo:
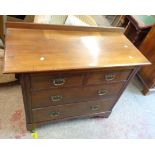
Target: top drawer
47	81
107	77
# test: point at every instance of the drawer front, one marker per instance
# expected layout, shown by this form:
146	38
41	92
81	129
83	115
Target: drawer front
68	95
107	77
72	110
55	81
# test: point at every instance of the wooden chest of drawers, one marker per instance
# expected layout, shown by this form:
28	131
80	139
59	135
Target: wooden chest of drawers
69	72
69	95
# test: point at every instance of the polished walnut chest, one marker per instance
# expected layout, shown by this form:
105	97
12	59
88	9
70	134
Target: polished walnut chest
69	72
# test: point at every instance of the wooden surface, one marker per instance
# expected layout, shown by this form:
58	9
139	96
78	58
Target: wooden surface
2	27
87	69
77	100
147	73
35	49
143	21
47	81
70	110
137	27
74	95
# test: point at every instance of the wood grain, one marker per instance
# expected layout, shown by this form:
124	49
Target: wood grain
35	50
94	64
100	78
61	27
46	81
147	73
136	30
70	110
77	94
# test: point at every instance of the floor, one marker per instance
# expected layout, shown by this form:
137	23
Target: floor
132	117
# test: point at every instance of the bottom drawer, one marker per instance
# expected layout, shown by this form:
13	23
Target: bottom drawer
70	110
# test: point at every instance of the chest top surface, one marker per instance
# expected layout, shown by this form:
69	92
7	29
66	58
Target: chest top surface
38	47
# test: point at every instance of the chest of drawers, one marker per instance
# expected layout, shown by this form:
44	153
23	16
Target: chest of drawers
69	72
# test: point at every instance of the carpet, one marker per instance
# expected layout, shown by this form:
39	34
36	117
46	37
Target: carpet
133	117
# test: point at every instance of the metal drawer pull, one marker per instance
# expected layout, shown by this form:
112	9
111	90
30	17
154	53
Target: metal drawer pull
54	113
56	98
102	92
58	82
110	77
94	108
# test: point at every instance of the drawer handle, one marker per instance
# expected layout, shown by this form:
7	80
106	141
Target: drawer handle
54	113
58	82
56	98
94	108
102	92
110	77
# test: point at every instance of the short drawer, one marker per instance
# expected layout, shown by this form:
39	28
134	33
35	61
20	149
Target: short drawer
72	110
68	95
107	77
46	81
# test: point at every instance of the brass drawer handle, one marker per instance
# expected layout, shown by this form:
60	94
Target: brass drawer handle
54	113
56	98
94	108
110	77
102	92
58	82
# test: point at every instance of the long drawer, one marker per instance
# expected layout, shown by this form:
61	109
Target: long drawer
71	110
63	95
